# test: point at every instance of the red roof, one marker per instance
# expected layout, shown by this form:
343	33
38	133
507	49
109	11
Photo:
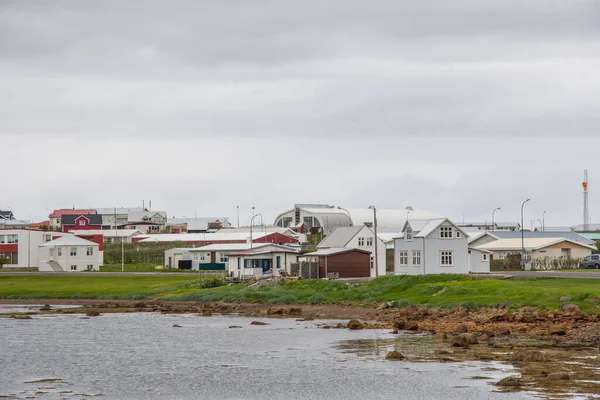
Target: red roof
40	224
58	213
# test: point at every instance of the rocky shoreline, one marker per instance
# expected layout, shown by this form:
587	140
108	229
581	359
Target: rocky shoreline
556	353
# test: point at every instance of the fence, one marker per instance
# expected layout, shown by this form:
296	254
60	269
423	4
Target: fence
305	270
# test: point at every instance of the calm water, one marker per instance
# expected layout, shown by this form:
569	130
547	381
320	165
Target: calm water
141	356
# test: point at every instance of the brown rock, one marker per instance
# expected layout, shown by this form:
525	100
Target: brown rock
93	313
295	311
383	306
571	308
176	326
340	326
235	327
510	381
258	323
529	356
484	337
46	308
563	376
276	311
503	331
533	371
412	326
354	325
400	324
462	328
20	316
557	330
326	327
527	318
394	356
440	335
464	340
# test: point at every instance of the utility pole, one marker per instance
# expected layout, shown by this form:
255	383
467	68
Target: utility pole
376	240
523	237
586	215
238	217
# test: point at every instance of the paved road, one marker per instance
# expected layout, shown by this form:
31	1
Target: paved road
191	275
556	274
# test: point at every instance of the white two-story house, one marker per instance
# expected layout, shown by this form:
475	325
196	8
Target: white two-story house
434	246
357	237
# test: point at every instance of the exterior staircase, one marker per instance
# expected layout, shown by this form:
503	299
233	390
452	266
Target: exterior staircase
55	266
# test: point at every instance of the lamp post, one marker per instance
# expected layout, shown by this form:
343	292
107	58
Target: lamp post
251	223
523	237
494	212
541	223
544	222
238	216
376	240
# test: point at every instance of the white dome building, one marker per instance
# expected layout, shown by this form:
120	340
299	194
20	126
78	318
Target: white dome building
310	217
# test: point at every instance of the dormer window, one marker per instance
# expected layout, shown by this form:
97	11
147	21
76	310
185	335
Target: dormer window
408	234
446	232
81	222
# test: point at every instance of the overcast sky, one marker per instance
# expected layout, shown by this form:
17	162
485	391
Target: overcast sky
456	107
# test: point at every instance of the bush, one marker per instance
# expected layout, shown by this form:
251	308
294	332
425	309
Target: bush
317	298
3	261
547	263
285	299
401	303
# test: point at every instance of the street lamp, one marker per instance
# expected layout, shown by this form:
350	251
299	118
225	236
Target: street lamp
544	222
376	239
494	212
238	216
252	223
523	236
541	223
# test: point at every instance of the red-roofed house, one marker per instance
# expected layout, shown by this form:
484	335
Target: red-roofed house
56	216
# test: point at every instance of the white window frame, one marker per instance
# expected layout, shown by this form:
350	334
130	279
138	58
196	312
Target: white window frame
445	256
81	222
2	239
458	235
416	258
408	235
484	257
446	232
403	258
223	258
73	267
369	242
59	251
73	251
89	251
12	239
90	267
501	255
361	241
51	252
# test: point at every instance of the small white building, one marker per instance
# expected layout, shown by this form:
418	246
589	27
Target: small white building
434	246
538	248
479	260
357	237
262	260
70	254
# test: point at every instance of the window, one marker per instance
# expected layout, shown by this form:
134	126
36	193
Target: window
278	262
2	239
458	234
223	257
90	251
81	223
12	239
403	258
369	242
502	255
446	258
408	235
73	267
446	232
51	252
372	262
416	258
47	238
484	257
201	256
59	251
90	267
239	262
73	251
361	241
595	257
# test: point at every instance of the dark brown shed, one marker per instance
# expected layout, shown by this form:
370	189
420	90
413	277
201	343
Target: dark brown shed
342	262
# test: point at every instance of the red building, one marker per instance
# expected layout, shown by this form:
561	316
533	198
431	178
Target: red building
83	222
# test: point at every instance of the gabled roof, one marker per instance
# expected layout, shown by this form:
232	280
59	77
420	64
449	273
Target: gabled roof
6	214
527	234
69	240
515	244
70	219
340	236
266	249
333	250
424	227
473	236
60	213
139	216
111	233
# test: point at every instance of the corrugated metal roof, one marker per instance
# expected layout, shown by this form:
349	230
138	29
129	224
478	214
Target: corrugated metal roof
108	232
529	243
202	237
340	236
69	240
333	250
527	234
119	210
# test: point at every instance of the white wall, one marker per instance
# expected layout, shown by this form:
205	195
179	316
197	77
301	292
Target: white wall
479	263
65	260
28	246
431	248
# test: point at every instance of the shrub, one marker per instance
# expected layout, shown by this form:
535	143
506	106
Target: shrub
285	299
317	298
3	261
401	303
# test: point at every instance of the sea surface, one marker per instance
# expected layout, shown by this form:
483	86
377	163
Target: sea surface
142	356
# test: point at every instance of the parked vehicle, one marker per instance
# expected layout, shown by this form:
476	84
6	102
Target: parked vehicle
592	261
